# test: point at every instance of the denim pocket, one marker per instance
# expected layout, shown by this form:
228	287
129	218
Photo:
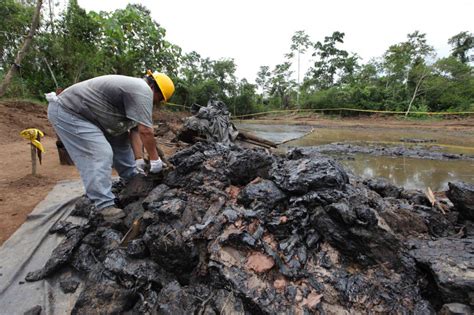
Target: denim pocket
65	119
53	112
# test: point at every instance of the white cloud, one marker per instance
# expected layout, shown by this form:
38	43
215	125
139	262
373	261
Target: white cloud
258	32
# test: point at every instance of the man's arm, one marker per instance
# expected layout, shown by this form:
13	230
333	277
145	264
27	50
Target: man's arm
136	142
146	137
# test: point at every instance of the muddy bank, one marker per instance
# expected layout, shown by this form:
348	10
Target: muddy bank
243	231
419	152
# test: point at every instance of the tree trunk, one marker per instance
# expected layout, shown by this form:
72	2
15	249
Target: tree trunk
24	49
415	93
51	72
77	75
298	89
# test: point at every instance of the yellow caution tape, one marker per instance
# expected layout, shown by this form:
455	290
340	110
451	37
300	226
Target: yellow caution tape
354	110
33	135
177	105
341	109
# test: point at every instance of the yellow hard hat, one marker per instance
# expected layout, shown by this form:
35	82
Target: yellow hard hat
164	83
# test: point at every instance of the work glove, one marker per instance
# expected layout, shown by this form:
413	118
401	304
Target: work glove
140	166
156	166
51	97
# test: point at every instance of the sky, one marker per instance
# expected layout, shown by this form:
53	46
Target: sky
258	32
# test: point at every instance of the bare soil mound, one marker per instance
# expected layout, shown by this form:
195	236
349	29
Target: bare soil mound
15	160
15	163
17	115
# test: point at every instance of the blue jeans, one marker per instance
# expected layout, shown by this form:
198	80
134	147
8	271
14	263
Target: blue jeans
93	153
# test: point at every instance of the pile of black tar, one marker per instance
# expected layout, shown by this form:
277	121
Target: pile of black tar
241	231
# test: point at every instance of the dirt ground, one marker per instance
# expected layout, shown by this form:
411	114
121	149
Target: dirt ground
451	123
20	192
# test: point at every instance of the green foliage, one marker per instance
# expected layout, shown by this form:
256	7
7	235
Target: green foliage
200	79
223	71
281	83
63	54
300	42
263	79
14	25
333	66
329	98
131	41
405	69
244	102
451	86
462	43
19	87
78	45
204	90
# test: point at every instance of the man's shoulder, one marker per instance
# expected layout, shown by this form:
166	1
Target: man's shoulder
118	79
114	83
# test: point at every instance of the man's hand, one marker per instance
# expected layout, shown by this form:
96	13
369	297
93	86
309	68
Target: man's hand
140	165
156	166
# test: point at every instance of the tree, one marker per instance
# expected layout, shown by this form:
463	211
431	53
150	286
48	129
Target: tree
190	67
366	87
199	79
263	79
205	90
244	102
281	83
189	74
224	74
332	65
131	41
450	86
405	65
419	73
15	22
299	44
462	43
24	49
68	54
77	52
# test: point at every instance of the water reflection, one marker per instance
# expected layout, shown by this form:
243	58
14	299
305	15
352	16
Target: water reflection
402	171
451	142
276	133
411	173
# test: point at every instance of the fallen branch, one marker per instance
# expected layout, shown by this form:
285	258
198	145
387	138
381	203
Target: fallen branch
304	135
244	135
256	143
434	203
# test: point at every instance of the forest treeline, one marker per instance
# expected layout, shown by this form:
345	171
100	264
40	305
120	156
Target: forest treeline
78	45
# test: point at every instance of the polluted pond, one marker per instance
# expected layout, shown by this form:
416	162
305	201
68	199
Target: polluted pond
412	158
234	230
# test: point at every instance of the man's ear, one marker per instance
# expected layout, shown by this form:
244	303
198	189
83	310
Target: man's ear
159	94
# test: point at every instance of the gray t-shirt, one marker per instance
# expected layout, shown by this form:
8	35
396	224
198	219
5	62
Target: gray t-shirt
115	103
